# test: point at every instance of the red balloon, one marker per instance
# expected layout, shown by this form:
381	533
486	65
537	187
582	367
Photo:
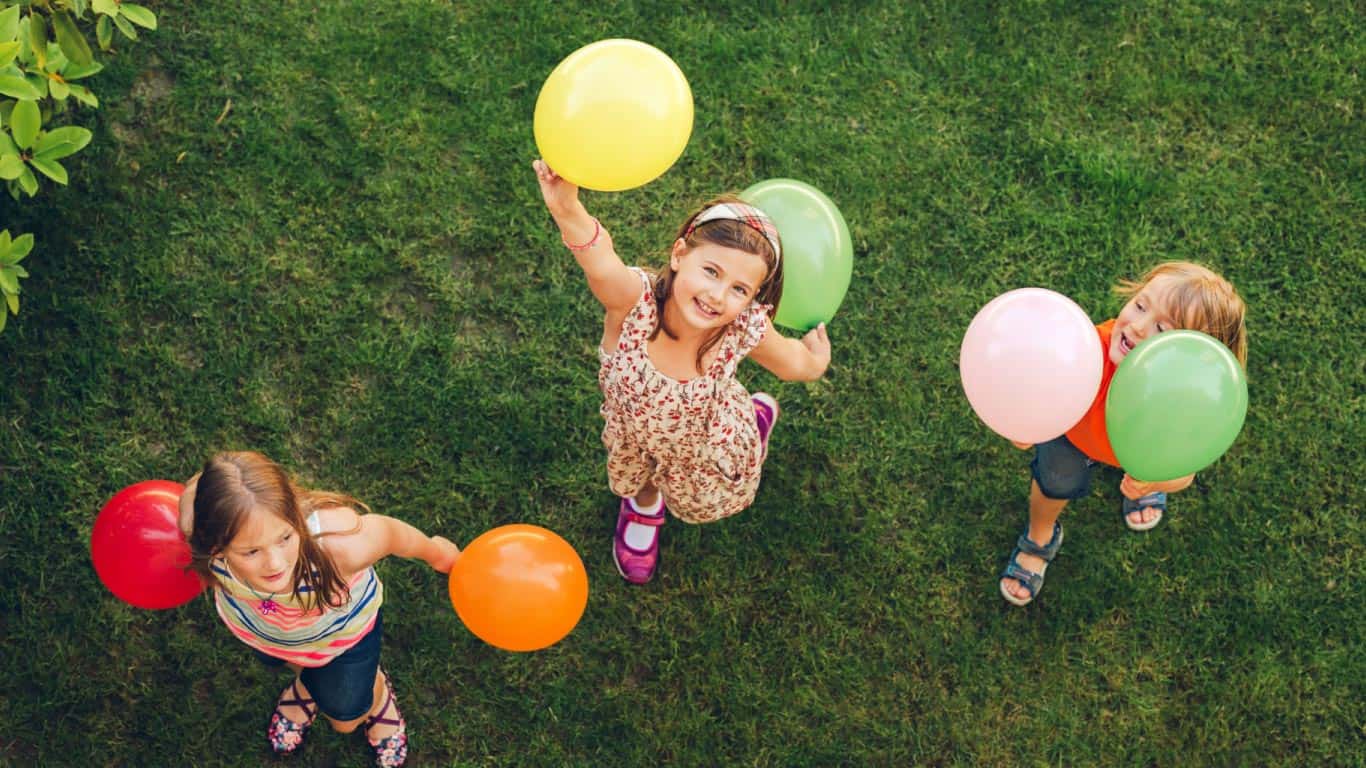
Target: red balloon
138	549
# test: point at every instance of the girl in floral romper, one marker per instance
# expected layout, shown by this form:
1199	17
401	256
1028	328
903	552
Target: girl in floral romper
680	430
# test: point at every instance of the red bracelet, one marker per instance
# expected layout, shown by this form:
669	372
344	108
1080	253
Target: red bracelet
597	230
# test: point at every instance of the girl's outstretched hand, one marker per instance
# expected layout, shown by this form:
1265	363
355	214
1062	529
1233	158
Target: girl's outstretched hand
560	195
818	344
449	554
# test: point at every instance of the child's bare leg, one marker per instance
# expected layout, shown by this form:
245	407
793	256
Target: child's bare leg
377	700
1043	513
646	497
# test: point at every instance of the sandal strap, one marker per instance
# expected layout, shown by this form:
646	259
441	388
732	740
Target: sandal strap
1155	500
629	512
302	702
1028	579
1047	552
388	704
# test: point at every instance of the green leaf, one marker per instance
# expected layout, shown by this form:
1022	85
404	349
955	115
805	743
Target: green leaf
110	7
9	23
125	27
20	248
8	280
8	51
12	299
104	32
73	136
138	15
37	37
10	167
84	96
78	71
18	87
3	318
70	38
4	243
78	7
25	122
20	271
7	145
28	182
50	168
58	89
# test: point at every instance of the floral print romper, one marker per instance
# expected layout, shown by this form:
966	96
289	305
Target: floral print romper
697	440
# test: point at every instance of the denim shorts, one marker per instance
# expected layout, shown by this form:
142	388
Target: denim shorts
344	687
1061	469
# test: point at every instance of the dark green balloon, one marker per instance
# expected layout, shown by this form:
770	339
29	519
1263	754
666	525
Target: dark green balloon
818	256
1176	404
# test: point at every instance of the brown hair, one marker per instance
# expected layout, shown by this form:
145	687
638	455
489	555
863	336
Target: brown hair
235	483
727	233
1201	300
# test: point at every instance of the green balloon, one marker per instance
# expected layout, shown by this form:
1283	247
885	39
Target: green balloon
1176	403
818	255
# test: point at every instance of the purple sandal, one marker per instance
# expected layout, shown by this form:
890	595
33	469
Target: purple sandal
636	565
392	750
286	735
766	415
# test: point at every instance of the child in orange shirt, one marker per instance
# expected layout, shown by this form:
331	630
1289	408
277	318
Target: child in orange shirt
1172	295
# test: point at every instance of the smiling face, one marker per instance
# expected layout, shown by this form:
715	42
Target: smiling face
263	552
713	284
1149	312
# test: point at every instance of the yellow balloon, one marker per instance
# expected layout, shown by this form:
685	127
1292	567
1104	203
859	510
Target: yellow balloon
613	115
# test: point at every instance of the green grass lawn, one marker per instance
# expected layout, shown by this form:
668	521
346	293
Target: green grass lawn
352	272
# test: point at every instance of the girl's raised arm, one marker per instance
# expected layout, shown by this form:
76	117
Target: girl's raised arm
379	536
609	279
790	359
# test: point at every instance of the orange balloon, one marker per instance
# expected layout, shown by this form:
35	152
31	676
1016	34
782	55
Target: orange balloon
519	587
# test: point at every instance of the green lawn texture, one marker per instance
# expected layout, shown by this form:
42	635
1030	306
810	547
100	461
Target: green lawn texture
353	273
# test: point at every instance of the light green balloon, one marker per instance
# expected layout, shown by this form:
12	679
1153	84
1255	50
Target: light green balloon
818	255
1176	404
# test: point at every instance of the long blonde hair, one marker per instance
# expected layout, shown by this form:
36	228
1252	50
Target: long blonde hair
231	486
1201	300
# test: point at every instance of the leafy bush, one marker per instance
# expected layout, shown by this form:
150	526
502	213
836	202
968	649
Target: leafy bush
43	53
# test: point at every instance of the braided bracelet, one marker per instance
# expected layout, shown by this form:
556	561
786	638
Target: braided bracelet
597	230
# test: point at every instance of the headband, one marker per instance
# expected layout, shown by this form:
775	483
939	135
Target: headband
746	214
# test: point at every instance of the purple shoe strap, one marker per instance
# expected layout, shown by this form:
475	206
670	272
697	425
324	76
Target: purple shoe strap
298	701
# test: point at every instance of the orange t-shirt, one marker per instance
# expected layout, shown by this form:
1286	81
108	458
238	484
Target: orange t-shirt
1089	434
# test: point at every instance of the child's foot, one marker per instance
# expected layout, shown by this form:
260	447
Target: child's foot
1023	575
635	547
1144	512
766	414
294	712
386	731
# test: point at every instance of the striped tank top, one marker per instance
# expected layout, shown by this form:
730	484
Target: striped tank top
277	625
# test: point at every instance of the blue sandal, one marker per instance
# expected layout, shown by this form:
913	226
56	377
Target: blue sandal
1028	579
1155	500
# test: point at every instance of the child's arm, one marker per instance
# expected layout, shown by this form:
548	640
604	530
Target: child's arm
611	281
378	537
790	359
1137	489
186	518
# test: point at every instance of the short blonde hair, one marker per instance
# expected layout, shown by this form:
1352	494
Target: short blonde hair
1201	300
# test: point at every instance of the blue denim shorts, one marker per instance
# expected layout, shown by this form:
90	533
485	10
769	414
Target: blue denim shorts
344	687
1061	469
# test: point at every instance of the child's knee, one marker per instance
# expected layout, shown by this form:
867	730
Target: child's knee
1061	486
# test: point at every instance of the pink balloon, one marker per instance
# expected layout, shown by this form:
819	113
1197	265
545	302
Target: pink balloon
1031	364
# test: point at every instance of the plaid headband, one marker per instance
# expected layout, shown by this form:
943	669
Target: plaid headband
748	215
